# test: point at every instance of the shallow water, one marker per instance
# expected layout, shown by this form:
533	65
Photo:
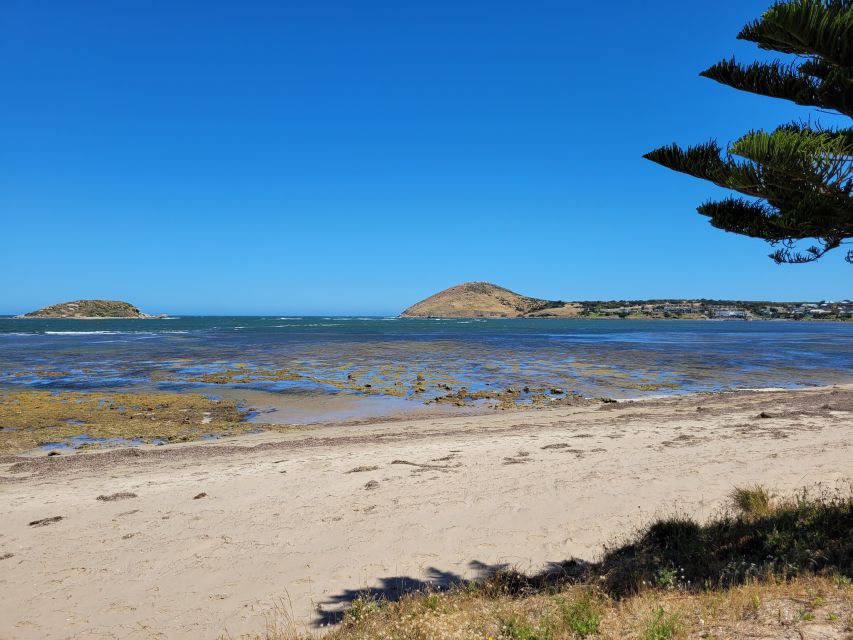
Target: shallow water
360	367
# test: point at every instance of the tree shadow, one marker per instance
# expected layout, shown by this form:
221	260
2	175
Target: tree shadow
501	577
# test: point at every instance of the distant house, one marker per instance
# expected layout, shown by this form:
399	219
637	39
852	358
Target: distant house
726	311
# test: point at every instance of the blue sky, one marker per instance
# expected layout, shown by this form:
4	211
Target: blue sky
354	157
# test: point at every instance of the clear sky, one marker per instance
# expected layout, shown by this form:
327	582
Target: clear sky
354	157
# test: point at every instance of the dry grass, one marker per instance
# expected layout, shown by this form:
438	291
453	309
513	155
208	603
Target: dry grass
792	609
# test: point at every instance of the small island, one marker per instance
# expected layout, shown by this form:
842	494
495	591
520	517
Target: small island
89	310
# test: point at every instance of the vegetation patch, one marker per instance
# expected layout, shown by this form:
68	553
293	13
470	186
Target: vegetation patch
786	573
31	419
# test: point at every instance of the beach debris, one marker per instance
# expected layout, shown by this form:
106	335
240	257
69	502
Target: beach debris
6	556
373	484
46	521
200	496
53	453
765	415
113	497
557	445
441	467
363	468
556	392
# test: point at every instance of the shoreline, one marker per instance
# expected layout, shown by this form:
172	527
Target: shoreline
312	515
108	432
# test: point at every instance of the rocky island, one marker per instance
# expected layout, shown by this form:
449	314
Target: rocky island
89	309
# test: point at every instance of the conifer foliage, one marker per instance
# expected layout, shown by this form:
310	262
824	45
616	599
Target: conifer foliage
798	179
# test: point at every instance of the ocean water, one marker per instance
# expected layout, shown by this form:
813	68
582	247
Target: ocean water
299	358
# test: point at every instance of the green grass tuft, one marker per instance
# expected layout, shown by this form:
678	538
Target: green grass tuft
751	501
661	626
582	616
518	627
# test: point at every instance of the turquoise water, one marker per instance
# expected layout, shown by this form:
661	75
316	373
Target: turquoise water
383	356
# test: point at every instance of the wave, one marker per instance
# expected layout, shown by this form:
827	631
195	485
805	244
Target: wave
104	333
83	333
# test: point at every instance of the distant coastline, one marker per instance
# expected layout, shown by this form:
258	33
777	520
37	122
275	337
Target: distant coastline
486	300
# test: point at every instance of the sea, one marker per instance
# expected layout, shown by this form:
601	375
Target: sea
310	369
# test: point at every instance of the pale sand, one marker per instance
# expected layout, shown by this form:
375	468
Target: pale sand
283	521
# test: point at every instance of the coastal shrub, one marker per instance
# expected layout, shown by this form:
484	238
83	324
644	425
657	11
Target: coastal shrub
809	533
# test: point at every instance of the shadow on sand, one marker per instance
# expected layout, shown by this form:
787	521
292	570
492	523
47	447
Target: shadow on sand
393	588
806	534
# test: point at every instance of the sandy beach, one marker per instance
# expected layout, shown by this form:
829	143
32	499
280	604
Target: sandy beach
215	538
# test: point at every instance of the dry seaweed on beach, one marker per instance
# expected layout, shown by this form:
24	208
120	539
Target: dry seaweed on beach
113	497
46	521
363	468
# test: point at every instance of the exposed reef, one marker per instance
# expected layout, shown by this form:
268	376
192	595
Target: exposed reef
72	420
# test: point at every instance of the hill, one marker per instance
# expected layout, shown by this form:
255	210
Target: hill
85	309
485	300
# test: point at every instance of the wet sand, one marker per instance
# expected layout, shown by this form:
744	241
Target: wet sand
218	536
